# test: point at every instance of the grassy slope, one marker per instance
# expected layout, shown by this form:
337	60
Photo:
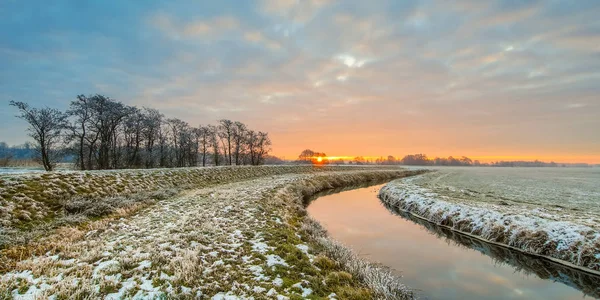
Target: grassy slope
249	238
38	196
30	204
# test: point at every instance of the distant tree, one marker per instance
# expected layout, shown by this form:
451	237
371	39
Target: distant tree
319	158
239	137
204	136
252	142
180	138
214	142
5	154
359	160
263	147
391	160
306	155
103	133
150	132
133	130
225	133
416	160
465	161
45	127
107	115
78	128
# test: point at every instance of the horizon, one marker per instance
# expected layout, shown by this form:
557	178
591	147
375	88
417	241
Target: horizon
481	159
492	81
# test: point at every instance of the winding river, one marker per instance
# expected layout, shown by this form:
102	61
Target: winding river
439	263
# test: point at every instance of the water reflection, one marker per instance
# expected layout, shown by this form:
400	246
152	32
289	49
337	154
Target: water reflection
441	263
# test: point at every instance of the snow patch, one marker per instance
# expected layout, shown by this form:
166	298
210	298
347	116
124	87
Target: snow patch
278	281
273	260
303	248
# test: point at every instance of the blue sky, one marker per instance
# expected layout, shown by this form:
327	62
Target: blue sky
479	78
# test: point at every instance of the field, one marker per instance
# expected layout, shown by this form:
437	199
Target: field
552	212
231	232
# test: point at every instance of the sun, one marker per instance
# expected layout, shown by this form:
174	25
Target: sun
319	159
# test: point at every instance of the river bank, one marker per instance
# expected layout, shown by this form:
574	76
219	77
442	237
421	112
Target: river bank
439	263
32	204
554	231
243	239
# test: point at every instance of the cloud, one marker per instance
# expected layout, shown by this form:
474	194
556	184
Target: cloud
299	11
258	37
487	75
212	27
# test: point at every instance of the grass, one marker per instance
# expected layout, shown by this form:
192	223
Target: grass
32	204
29	199
247	238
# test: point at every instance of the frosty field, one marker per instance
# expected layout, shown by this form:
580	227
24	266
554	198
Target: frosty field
552	212
576	189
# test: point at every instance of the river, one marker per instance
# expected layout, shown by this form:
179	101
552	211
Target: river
441	264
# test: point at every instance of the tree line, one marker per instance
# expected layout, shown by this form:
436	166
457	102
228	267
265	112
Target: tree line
102	133
310	156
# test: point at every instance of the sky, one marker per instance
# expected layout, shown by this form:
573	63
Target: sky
487	79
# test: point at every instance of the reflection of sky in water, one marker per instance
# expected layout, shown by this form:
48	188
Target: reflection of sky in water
439	269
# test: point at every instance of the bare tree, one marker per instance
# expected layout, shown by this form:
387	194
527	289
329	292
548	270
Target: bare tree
252	143
45	127
206	134
80	110
239	135
226	128
180	137
106	116
103	133
150	132
214	142
203	141
133	133
263	146
163	145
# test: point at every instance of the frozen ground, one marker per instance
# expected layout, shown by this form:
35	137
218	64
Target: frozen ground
553	212
4	171
230	241
571	188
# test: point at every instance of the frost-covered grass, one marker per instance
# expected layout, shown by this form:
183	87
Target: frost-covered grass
245	239
567	235
379	278
39	200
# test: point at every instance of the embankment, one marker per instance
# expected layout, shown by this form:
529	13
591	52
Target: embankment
245	239
38	201
513	226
